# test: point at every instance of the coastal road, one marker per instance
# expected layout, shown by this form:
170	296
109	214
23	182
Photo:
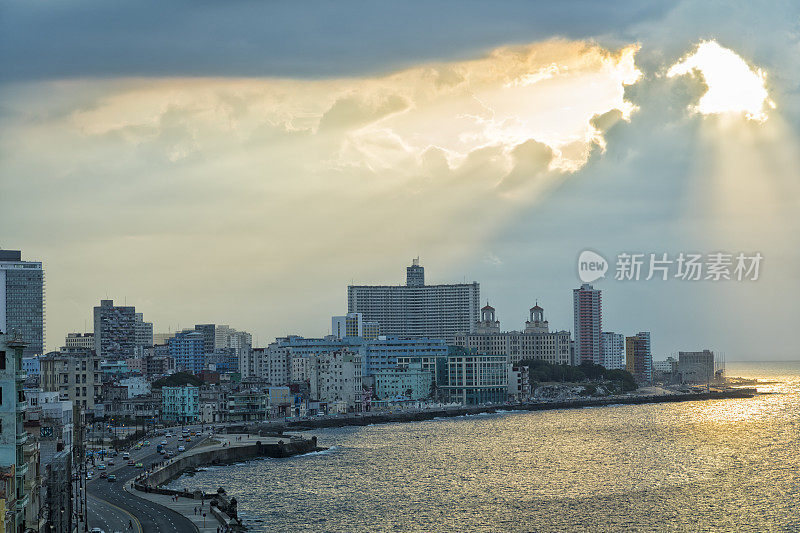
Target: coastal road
112	508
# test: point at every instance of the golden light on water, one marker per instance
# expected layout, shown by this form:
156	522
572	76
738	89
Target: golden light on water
733	86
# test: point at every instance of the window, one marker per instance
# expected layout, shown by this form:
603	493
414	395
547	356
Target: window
2	360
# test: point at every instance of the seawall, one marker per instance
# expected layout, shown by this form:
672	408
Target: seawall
365	419
286	447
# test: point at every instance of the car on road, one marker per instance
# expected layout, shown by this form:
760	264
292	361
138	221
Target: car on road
181	448
110	462
112	477
131	463
126	456
170	454
146	443
101	466
168	435
188	439
96	530
103	474
139	465
163	443
89	476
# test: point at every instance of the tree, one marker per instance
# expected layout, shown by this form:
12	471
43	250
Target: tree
179	379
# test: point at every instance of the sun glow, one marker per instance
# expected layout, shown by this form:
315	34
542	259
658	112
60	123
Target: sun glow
733	86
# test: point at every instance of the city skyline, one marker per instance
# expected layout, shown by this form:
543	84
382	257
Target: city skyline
664	129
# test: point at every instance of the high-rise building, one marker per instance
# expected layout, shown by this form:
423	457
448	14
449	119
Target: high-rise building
186	349
613	349
535	342
12	410
144	333
227	337
639	357
209	336
588	313
22	300
416	309
354	325
114	330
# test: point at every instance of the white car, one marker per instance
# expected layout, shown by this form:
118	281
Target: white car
168	435
181	448
163	443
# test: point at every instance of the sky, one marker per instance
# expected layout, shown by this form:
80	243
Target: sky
243	162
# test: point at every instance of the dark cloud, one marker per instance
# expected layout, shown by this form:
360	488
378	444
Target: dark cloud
49	39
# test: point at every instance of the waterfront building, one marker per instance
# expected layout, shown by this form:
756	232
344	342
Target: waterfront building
14	436
75	375
639	357
186	349
519	383
409	382
385	352
535	342
416	309
696	367
180	404
588	317
22	300
79	341
354	325
475	379
247	406
613	350
114	330
336	379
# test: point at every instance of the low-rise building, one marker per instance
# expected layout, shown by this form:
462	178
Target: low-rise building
475	379
247	406
697	367
519	383
75	375
180	404
409	382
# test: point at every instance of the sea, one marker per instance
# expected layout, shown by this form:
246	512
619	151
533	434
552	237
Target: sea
722	465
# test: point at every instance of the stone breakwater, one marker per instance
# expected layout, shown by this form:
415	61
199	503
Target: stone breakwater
365	419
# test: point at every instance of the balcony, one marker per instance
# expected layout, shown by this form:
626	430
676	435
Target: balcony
22	503
22	405
22	375
22	438
22	470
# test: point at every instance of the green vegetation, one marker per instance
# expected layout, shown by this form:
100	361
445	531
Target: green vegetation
179	379
541	371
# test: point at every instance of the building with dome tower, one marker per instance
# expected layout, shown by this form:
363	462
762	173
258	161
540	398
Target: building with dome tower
536	341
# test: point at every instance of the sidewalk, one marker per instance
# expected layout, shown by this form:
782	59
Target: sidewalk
187	506
184	506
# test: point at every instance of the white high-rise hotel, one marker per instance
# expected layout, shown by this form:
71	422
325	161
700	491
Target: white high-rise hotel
416	309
